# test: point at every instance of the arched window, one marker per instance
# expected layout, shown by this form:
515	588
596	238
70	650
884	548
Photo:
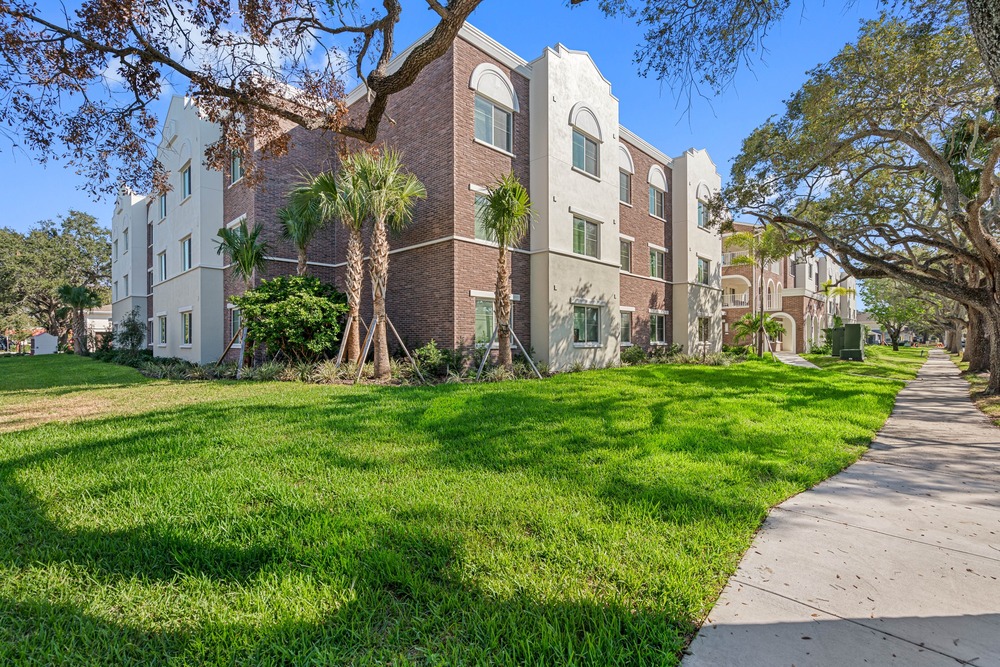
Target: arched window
495	105
625	170
587	139
657	192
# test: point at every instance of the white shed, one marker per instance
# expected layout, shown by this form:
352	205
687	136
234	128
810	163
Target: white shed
44	343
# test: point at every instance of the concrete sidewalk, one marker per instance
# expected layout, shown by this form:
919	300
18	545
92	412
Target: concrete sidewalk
793	359
895	561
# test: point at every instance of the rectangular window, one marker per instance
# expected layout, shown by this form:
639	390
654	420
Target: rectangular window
704	271
163	206
235	167
485	317
657	328
115	290
186	254
235	322
626	327
149	332
586	324
186	182
704	329
702	218
125	240
586	154
656	263
656	202
494	125
115	244
625	187
125	283
585	237
163	329
186	328
162	260
626	256
149	282
482	233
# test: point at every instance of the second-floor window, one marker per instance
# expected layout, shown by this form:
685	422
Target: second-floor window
626	256
624	187
236	167
125	283
186	254
585	237
704	271
586	154
656	197
656	263
116	248
494	125
162	261
186	182
125	240
163	206
482	233
115	290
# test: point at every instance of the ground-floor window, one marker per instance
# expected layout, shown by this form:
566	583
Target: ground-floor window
485	317
626	328
657	328
163	329
704	329
235	322
149	332
586	324
186	328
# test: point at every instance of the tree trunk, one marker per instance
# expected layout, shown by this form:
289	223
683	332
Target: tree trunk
300	268
380	274
760	295
355	278
984	16
977	348
992	320
956	339
502	305
79	332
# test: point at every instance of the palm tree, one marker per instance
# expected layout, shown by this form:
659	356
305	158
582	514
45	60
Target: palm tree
831	289
79	298
344	197
247	255
391	194
754	325
301	218
506	215
762	246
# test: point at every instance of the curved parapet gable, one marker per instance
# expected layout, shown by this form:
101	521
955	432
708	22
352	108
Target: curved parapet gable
490	82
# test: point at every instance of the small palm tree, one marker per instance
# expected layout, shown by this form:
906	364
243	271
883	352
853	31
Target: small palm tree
391	194
506	215
79	298
344	197
762	246
301	218
247	255
830	290
757	325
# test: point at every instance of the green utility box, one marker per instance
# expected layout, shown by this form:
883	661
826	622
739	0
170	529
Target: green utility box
853	348
836	341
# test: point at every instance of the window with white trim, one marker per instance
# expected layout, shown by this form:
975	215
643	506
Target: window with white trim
186	254
586	154
702	215
125	240
163	206
186	333
486	319
657	263
482	233
494	124
656	199
235	322
115	290
626	327
125	283
626	256
186	181
585	237
657	328
235	167
161	259
704	271
704	329
624	187
162	319
115	244
586	324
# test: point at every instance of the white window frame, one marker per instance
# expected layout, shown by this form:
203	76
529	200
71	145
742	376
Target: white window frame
187	184
125	284
493	325
235	316
657	196
623	243
661	264
708	330
478	103
161	260
628	177
708	271
125	241
631	324
587	139
235	167
484	235
161	326
586	226
187	328
660	328
187	258
163	206
597	338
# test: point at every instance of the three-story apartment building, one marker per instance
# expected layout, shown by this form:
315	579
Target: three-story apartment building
618	252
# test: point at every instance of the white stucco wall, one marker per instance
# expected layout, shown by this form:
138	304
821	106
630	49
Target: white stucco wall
567	84
199	216
694	173
129	214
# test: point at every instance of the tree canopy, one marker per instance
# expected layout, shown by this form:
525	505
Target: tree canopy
893	305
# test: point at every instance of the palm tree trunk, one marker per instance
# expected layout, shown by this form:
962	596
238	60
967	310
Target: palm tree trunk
355	278
380	274
760	295
79	332
300	269
503	310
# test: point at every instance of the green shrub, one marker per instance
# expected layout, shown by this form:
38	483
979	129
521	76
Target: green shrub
634	355
497	374
298	316
664	354
266	372
432	359
130	333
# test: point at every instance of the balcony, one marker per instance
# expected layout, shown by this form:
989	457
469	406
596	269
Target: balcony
736	300
728	257
772	302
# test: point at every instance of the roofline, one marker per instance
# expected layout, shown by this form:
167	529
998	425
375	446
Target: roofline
640	143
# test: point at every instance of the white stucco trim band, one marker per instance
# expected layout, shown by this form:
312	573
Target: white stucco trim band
593	217
584	301
482	294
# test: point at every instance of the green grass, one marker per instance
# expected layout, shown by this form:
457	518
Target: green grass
881	362
589	519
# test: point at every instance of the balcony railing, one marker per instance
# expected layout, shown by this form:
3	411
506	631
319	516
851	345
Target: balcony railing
772	302
728	257
736	300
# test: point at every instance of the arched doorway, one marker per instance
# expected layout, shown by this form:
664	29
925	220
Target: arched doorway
787	339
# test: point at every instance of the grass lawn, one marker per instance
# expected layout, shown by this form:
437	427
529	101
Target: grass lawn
588	519
989	405
879	361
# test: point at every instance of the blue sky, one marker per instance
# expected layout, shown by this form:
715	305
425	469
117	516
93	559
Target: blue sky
810	33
